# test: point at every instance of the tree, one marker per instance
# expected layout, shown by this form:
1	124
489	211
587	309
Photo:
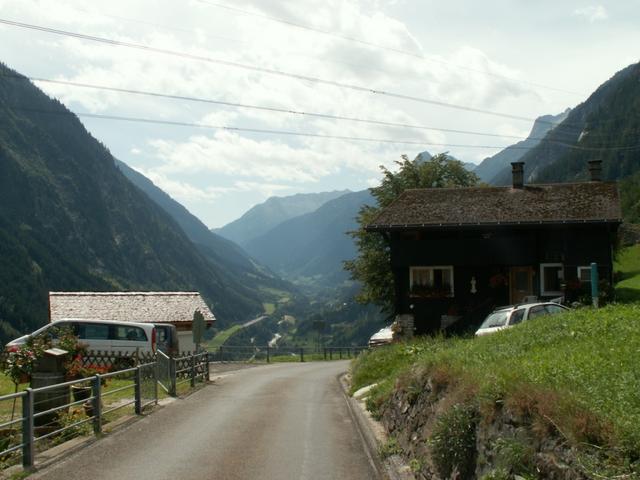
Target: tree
372	267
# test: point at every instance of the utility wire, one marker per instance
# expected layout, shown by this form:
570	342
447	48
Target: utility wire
259	107
262	70
69	113
381	47
558	128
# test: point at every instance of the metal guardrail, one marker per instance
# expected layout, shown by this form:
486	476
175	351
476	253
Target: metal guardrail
268	354
43	407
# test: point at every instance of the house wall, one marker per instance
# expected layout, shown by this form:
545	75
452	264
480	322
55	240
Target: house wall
483	253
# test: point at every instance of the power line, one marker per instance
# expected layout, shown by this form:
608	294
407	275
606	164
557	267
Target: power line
381	47
287	111
558	127
263	70
69	113
260	107
177	123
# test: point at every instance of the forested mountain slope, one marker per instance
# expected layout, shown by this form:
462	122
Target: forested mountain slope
223	254
496	164
69	220
263	217
313	246
604	127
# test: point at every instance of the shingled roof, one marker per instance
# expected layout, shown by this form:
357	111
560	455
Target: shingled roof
151	307
532	204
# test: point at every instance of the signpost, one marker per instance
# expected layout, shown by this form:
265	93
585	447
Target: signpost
594	284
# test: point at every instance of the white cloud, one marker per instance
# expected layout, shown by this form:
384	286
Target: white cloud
187	161
592	13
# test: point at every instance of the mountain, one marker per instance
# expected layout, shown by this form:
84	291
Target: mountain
426	156
275	210
223	254
70	220
313	246
604	127
492	166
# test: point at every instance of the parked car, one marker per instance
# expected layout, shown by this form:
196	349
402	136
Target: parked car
167	335
125	337
383	336
506	317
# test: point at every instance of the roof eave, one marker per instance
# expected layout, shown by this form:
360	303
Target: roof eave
435	226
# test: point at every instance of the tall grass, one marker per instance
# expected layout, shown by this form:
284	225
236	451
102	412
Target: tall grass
582	361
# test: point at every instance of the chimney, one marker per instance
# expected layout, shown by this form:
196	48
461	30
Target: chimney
595	170
518	174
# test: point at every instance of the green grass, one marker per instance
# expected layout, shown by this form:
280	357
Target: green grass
628	265
584	362
222	337
269	308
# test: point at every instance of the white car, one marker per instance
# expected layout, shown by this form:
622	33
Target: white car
381	337
506	317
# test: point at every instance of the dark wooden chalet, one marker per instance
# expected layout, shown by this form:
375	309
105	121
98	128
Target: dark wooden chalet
457	253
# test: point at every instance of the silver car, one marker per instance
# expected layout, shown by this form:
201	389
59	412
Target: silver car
506	317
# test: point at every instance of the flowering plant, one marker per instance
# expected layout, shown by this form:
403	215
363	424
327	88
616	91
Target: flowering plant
18	364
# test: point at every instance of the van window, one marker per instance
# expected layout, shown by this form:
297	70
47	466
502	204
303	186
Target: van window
93	331
134	334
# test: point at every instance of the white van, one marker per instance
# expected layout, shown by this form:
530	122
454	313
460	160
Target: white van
103	335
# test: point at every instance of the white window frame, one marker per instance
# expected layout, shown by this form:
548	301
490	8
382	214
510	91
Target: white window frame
431	268
580	269
542	267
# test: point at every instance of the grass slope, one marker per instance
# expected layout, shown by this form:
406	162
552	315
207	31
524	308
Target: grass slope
582	364
628	266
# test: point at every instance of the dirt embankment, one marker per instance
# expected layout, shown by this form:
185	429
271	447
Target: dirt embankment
445	431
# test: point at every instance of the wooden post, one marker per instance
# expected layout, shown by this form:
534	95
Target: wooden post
172	376
28	450
325	353
193	371
302	354
96	392
340	352
268	354
207	367
330	353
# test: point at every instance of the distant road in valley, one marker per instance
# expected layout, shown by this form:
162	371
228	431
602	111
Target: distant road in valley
255	320
280	422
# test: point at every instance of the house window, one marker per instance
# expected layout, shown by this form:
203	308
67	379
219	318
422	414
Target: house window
432	281
584	274
551	277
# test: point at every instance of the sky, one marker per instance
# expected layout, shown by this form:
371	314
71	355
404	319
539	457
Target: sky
454	65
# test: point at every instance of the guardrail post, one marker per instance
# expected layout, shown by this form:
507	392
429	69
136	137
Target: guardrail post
302	354
268	355
324	351
340	351
208	367
221	354
156	378
172	376
28	450
138	391
96	393
193	371
331	353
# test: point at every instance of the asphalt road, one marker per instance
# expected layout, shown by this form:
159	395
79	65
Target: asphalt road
283	421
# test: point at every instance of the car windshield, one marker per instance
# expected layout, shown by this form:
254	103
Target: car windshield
496	319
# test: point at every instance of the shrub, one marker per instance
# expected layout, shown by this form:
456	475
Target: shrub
453	442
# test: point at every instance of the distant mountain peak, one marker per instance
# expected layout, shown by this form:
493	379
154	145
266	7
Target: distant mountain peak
261	218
